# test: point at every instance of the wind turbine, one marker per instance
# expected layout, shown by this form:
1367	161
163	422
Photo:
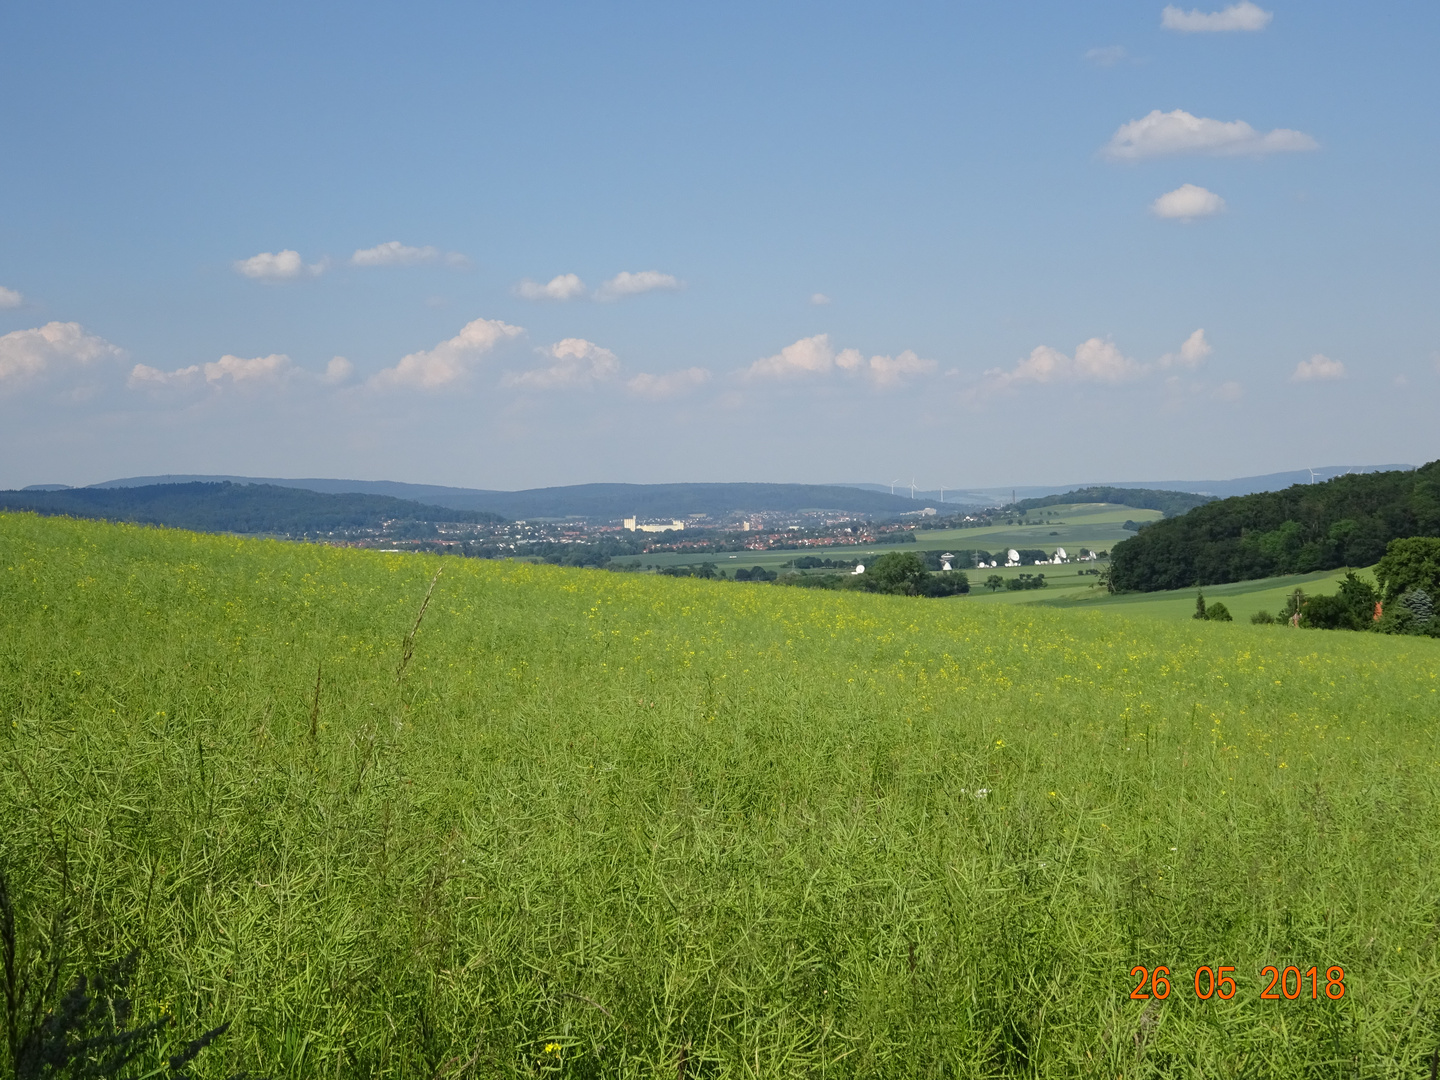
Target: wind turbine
892	485
912	487
1312	475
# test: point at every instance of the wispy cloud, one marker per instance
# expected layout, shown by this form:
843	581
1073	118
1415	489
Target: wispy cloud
1186	203
1160	134
1107	55
575	363
9	298
29	354
1241	16
279	266
628	284
561	287
819	299
669	384
1318	368
448	362
228	370
394	253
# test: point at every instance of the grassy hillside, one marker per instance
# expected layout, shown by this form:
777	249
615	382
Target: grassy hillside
624	825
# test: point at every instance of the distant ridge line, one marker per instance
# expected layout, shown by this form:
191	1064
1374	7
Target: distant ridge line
602	501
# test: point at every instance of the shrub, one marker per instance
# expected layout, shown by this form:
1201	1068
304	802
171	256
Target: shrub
1026	581
1218	612
1263	618
1418	601
1323	612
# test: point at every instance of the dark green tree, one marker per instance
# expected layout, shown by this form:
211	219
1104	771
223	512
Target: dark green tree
1199	606
1324	612
1411	563
900	572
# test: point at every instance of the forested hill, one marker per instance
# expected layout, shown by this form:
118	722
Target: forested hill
596	501
1169	503
237	508
1346	521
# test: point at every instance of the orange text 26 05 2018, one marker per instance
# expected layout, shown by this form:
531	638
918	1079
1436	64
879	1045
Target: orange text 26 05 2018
1276	983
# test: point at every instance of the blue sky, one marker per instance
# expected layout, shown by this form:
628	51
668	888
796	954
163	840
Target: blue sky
972	243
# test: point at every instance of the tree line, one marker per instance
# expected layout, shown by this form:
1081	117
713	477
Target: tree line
1347	521
1402	600
1169	503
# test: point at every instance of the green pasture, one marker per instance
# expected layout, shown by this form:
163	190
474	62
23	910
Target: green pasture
1242	598
1066	588
1092	525
588	824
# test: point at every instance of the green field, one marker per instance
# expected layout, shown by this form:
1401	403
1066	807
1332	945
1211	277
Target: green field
624	825
1067	589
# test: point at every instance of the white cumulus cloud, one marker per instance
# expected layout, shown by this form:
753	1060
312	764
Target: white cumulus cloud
885	370
576	362
231	370
561	287
1191	355
628	284
1318	367
816	356
1096	360
808	356
278	266
1186	203
1241	16
450	361
668	384
1159	134
9	298
819	299
338	370
28	354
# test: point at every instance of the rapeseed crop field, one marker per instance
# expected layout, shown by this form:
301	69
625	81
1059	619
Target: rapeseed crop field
586	824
